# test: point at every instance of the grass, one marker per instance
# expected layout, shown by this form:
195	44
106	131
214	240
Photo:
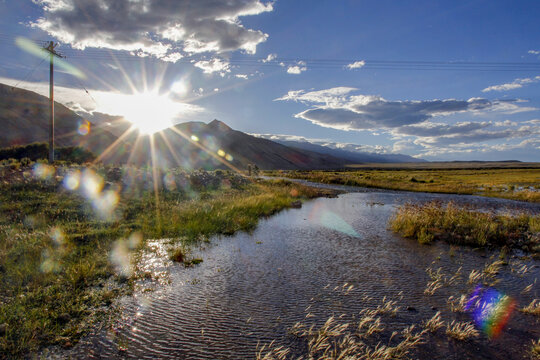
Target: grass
62	262
532	309
370	334
513	184
461	330
461	226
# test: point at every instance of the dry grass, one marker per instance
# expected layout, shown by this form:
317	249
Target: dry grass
461	330
463	226
457	304
532	309
535	349
434	323
505	183
272	352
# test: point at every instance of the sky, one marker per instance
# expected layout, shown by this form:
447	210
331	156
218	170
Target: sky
437	80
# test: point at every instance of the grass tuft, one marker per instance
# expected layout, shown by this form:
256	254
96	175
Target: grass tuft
461	330
460	226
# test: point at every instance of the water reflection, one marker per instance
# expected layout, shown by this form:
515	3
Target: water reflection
302	265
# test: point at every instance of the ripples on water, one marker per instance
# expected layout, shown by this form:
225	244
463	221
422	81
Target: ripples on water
251	288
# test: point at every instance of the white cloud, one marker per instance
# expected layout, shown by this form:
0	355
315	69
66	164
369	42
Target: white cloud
379	149
534	52
337	108
505	123
356	65
159	28
214	65
270	57
516	84
430	129
297	69
242	76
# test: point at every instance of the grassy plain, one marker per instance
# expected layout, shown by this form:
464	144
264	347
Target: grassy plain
517	183
57	269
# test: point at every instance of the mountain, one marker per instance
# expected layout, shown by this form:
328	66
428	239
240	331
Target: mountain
350	156
246	149
24	119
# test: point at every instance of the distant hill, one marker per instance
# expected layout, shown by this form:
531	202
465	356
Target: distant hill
218	138
24	119
350	156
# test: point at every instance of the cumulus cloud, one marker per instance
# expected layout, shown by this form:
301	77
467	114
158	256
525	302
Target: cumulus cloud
527	150
478	136
161	28
242	76
534	52
213	66
379	149
356	65
297	69
337	108
428	129
270	57
516	84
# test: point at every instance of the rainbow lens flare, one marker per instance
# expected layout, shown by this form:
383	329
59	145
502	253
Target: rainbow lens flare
490	310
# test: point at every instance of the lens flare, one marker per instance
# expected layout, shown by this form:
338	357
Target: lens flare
168	181
121	258
84	127
105	204
43	171
91	183
331	220
57	235
72	180
490	310
31	48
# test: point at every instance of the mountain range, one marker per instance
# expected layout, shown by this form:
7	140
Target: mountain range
24	117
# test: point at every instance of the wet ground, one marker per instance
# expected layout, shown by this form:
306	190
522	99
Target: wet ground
331	257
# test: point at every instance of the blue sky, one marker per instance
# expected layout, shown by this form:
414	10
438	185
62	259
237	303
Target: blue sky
440	80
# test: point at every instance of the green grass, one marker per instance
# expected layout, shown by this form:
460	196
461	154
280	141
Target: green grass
505	183
456	225
56	276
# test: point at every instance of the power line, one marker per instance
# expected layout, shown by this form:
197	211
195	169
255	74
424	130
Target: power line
27	75
314	63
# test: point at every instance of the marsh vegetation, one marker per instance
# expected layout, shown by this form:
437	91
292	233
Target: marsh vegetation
460	225
69	235
517	184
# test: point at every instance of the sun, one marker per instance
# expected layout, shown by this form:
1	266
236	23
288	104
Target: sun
150	111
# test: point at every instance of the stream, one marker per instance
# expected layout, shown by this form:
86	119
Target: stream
332	257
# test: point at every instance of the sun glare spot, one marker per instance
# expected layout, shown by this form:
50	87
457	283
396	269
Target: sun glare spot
150	112
194	138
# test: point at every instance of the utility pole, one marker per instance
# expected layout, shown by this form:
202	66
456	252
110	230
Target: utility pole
52	54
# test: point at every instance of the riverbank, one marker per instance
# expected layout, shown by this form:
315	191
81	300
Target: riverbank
69	234
514	184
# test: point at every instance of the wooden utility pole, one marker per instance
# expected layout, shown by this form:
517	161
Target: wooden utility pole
52	54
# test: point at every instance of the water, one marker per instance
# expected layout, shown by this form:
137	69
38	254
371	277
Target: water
251	288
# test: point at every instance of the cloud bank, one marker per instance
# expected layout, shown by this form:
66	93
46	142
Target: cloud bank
422	128
516	84
162	28
337	108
